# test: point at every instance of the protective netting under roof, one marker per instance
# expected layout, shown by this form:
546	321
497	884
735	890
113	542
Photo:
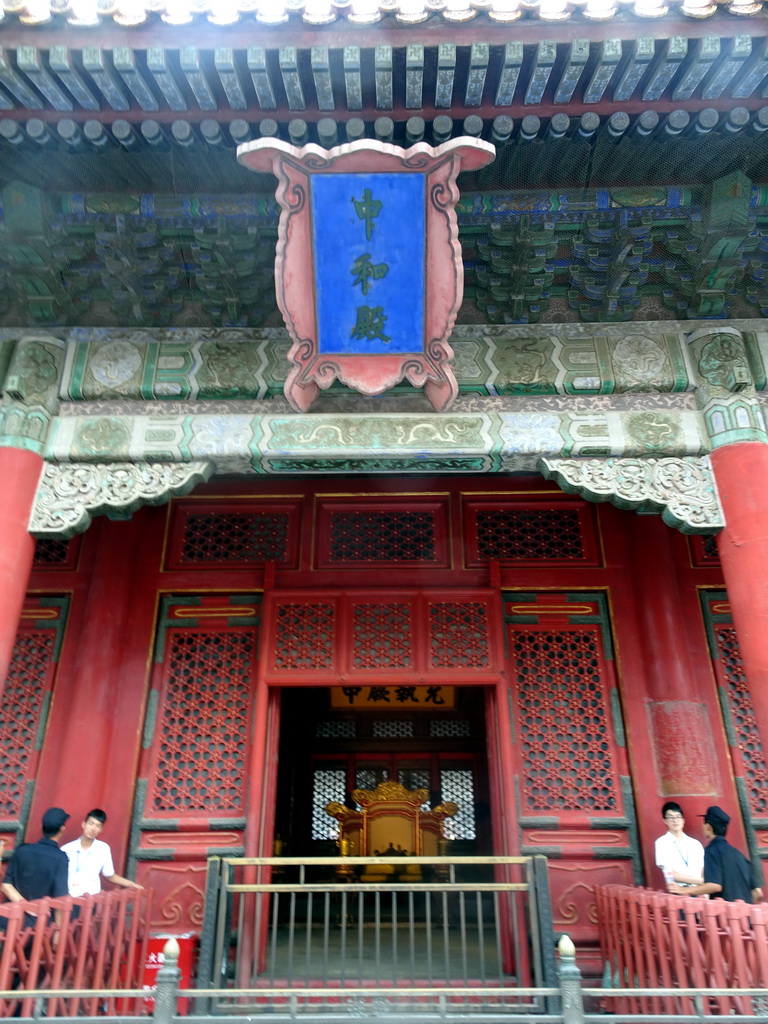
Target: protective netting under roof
593	220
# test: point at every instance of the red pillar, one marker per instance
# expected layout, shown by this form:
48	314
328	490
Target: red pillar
20	472
741	473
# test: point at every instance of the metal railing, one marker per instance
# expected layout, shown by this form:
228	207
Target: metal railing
565	1002
360	925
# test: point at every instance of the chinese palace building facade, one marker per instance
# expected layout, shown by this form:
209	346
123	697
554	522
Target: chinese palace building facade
523	567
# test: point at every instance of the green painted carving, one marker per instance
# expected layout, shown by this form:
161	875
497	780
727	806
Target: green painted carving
24	427
230	369
726	388
513	284
366	464
642	363
107	436
654	432
376	433
68	496
586	365
682	490
723	363
33	374
31	390
233	274
525	366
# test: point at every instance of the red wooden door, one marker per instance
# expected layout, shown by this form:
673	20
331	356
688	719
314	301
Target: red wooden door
575	798
24	711
191	794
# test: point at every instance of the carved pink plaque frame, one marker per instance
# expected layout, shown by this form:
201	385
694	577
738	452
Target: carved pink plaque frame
295	272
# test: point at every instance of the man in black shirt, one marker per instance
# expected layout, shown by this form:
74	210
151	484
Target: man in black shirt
728	875
39	869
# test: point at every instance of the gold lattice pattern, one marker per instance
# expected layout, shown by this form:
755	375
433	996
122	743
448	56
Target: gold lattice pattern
20	715
459	635
382	636
566	741
740	704
517	535
203	724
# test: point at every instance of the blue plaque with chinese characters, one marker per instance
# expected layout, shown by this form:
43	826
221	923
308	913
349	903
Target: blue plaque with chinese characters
368	270
368	236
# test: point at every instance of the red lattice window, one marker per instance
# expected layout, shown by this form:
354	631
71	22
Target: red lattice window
459	635
25	699
238	534
564	719
382	537
507	532
202	722
754	768
382	636
704	550
237	537
305	636
22	706
56	554
382	532
436	636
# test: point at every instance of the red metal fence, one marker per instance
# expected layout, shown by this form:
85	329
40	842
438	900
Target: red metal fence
656	940
87	942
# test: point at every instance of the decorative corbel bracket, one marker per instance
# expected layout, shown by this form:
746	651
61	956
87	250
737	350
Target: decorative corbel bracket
683	490
70	494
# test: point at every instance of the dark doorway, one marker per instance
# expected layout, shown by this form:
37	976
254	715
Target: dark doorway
326	752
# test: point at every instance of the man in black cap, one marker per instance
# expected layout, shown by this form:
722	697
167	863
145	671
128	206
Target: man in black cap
728	875
39	869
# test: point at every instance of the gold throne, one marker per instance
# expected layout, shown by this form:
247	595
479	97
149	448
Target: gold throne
390	824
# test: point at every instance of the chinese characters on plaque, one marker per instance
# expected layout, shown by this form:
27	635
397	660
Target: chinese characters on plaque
427	698
368	268
370	289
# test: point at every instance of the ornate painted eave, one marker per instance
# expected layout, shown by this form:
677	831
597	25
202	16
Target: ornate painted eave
68	496
319	13
625	417
683	491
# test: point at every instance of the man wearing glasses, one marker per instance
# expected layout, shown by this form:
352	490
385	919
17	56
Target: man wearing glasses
680	857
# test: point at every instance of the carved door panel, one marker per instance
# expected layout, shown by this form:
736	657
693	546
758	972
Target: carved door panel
746	745
24	708
191	795
572	780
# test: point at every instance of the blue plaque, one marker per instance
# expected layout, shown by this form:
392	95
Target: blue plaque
368	237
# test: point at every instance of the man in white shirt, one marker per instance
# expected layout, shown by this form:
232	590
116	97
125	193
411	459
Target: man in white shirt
680	857
90	858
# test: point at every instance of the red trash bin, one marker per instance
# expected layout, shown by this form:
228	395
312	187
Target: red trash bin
156	958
